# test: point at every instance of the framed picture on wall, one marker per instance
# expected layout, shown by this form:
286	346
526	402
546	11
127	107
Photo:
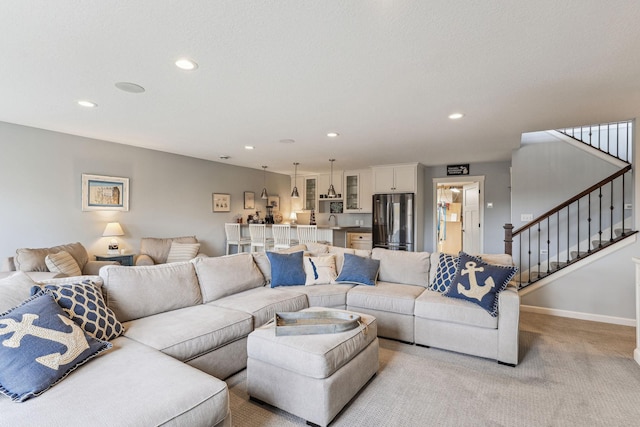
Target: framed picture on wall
221	202
104	193
249	200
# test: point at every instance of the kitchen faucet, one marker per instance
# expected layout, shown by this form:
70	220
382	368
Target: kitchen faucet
335	220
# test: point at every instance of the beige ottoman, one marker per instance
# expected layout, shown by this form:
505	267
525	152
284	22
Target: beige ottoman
311	376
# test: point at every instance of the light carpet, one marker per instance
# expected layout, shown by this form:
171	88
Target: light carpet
571	373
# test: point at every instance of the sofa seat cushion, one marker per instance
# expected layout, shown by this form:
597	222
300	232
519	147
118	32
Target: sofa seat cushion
132	383
433	305
14	289
315	356
385	296
190	332
136	292
322	295
263	303
409	268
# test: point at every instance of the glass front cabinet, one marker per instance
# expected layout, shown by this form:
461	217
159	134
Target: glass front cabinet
357	191
310	193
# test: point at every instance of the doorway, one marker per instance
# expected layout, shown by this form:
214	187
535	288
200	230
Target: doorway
458	214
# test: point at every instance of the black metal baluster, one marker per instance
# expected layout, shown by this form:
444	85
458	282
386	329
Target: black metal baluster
589	222
611	214
548	245
600	218
558	237
624	202
568	229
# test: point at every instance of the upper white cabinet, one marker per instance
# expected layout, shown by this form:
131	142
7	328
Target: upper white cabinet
310	196
395	178
357	191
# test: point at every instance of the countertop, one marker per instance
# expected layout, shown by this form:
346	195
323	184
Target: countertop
355	228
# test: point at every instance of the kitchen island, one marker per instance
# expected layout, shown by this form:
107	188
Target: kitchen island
333	235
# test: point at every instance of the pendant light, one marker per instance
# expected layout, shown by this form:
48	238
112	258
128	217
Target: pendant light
264	195
294	193
331	193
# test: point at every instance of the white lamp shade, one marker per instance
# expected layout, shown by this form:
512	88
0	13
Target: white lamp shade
113	229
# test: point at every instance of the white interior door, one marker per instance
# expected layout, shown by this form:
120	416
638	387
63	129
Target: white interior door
471	218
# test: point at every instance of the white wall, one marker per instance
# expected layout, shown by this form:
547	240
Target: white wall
170	195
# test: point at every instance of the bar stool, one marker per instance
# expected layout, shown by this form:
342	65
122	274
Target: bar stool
307	234
282	236
234	237
258	233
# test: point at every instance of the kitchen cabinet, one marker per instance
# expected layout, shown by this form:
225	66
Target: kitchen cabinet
359	241
395	179
357	191
310	193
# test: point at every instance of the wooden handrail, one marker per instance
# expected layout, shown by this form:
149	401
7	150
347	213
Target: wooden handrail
572	200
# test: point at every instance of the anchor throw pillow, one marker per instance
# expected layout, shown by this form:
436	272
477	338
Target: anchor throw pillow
39	346
479	282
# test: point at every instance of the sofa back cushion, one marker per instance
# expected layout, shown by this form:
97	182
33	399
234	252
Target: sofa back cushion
227	275
14	290
28	259
158	248
135	292
409	268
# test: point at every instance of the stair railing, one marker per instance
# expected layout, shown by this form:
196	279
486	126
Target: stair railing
613	138
582	225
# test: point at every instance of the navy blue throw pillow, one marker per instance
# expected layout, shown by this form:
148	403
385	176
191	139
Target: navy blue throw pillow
40	345
479	282
359	270
286	269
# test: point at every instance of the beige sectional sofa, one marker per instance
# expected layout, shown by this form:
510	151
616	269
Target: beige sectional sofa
186	327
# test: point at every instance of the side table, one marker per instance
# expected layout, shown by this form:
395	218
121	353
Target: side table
123	259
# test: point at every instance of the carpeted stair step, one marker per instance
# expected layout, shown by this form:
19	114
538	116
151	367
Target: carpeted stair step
576	254
558	265
618	231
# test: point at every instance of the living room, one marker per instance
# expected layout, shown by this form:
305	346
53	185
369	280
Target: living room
46	146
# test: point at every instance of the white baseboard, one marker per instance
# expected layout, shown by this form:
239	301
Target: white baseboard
581	316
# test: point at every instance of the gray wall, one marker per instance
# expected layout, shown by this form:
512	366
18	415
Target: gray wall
496	191
170	195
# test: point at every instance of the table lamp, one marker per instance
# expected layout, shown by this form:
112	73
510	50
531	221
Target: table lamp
292	218
111	230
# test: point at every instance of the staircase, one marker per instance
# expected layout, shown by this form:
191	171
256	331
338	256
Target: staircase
593	220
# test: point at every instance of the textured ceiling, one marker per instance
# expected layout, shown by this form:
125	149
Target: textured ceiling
384	74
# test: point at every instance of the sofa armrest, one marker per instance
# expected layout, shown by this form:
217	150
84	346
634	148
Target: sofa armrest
92	268
144	259
508	326
7	264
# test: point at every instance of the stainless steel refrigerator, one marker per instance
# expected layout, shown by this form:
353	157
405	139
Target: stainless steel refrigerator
393	221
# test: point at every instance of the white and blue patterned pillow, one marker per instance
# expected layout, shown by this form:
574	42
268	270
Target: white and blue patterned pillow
447	267
40	346
479	282
84	304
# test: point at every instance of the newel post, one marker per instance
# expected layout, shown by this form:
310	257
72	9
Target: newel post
508	238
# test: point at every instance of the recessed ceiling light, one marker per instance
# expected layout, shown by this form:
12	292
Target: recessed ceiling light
225	157
456	116
87	104
249	147
186	64
287	141
333	134
130	87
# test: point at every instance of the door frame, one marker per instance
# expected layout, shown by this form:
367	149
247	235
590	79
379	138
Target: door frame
456	180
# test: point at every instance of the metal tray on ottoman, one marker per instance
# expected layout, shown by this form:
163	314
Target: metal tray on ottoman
312	376
315	322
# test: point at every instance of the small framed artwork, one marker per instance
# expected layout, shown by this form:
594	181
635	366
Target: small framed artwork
249	200
221	202
274	202
104	193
